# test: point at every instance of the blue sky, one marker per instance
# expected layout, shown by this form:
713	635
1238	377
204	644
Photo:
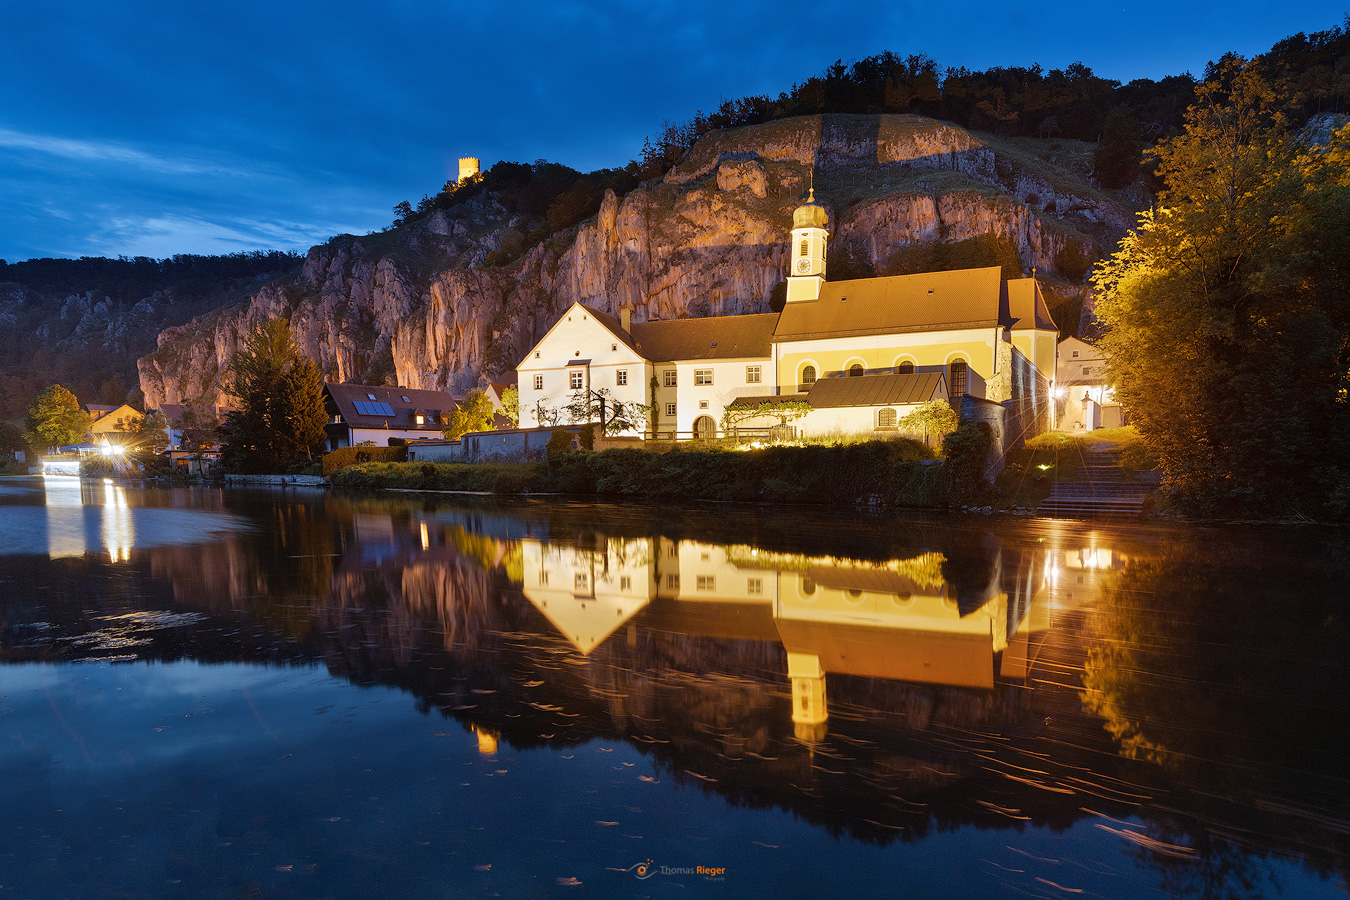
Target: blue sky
143	128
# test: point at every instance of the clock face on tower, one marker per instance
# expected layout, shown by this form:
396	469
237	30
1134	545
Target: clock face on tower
803	266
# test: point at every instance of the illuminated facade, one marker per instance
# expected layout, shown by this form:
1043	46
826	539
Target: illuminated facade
862	353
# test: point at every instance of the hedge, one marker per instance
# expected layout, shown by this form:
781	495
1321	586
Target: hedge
892	472
343	457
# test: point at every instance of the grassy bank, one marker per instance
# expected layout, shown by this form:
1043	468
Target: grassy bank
896	473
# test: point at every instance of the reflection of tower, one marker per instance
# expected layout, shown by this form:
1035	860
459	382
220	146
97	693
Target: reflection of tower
809	711
487	741
806	256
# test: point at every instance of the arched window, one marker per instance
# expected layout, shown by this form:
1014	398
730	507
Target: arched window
809	375
905	368
958	381
886	418
855	370
805	246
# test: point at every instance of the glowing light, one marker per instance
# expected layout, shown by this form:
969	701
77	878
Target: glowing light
1043	466
426	538
118	533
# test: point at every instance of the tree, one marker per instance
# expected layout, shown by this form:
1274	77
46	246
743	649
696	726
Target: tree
148	433
55	419
1116	159
474	413
511	406
11	439
615	415
785	411
1226	310
198	425
935	418
280	416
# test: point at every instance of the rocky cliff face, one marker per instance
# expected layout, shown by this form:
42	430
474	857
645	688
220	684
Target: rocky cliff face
418	306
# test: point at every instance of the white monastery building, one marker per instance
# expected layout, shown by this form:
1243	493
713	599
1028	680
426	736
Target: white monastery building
863	353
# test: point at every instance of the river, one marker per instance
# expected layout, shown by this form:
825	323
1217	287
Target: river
293	693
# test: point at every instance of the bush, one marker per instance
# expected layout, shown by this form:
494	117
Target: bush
343	457
898	472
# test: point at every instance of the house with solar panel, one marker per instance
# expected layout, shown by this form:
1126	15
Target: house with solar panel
360	413
862	353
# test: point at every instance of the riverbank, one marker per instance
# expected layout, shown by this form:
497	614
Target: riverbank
893	473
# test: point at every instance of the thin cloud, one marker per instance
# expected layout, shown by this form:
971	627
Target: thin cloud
109	152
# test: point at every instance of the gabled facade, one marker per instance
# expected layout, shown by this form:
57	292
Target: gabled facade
910	339
1084	401
112	420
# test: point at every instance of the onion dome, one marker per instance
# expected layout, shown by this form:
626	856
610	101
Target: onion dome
810	214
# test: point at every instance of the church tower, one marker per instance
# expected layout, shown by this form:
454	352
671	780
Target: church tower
806	265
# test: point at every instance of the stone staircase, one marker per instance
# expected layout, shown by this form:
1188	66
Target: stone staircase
1105	491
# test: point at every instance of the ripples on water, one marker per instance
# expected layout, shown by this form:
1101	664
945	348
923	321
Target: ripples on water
300	694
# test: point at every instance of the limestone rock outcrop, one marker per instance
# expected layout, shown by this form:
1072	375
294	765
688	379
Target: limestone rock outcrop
419	305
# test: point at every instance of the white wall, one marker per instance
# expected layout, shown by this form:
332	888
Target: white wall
577	336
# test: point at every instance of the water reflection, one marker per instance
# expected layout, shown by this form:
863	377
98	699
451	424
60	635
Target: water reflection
883	682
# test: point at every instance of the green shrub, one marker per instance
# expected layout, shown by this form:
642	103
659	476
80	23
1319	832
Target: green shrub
342	457
891	471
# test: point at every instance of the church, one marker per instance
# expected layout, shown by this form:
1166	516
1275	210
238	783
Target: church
861	353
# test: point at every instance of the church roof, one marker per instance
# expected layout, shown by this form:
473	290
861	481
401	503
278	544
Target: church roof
1026	305
718	337
928	301
877	390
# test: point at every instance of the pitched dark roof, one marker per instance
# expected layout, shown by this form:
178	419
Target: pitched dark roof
877	390
929	301
716	337
344	398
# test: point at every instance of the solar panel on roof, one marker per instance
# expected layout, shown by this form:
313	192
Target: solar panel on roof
366	408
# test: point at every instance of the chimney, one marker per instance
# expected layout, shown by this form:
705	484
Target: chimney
626	318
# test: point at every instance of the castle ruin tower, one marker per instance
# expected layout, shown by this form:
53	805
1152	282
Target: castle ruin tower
468	168
806	265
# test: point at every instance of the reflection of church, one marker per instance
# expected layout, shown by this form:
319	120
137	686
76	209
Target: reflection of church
961	622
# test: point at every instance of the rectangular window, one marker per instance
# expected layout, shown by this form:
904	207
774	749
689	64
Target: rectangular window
703	404
543	577
1075	354
539	382
752	374
673	582
670	409
621	377
668	377
574	379
625	582
582	581
1087	370
703	376
754	585
707	582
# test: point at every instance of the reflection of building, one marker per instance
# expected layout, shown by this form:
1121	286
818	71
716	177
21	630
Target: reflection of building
1084	401
1077	575
588	594
963	622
